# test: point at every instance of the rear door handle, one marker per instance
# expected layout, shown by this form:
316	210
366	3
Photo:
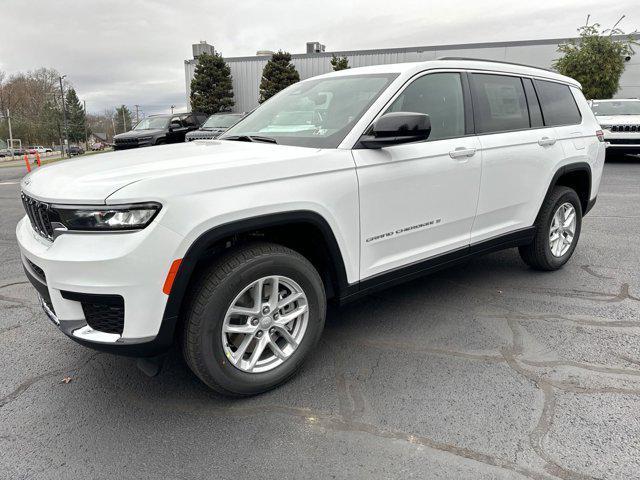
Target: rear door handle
462	152
546	141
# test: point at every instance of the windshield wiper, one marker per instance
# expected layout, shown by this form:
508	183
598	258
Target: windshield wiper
250	138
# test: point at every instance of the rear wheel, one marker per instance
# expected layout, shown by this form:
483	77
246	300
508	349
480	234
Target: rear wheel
557	231
255	316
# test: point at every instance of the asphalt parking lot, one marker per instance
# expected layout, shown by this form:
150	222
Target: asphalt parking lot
485	371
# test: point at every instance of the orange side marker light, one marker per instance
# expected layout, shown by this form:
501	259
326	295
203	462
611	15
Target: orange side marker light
171	276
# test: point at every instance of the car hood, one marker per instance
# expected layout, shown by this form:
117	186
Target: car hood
91	180
137	134
618	119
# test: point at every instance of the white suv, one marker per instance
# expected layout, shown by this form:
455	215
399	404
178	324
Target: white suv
232	247
620	121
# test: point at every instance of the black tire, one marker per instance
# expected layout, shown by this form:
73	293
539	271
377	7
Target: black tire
538	253
218	287
161	141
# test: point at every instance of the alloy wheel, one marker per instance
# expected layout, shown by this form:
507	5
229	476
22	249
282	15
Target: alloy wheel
563	229
265	324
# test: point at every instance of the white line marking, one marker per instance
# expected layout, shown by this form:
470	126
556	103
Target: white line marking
9	183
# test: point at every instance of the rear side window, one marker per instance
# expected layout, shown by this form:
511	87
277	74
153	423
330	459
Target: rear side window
439	95
558	105
500	103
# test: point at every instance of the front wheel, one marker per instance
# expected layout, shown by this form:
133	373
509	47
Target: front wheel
253	319
557	231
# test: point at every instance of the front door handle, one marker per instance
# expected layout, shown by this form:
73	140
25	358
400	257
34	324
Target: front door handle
462	152
546	141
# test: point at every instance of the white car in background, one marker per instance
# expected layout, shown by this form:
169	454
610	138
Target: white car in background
620	121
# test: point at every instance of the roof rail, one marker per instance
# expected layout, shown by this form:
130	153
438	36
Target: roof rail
495	61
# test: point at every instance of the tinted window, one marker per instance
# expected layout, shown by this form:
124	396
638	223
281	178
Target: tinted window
500	103
189	121
558	105
535	114
439	95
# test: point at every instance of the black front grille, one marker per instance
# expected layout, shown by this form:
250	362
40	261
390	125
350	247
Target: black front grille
625	128
624	141
38	213
126	142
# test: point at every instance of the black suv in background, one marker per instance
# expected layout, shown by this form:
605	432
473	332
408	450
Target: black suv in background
159	129
216	125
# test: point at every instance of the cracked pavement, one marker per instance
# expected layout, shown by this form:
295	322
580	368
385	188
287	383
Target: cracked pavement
487	371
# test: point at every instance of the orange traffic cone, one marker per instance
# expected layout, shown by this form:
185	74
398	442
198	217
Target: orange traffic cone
26	160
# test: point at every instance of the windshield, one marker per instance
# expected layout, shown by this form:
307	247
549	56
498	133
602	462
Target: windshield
616	108
152	123
315	113
221	121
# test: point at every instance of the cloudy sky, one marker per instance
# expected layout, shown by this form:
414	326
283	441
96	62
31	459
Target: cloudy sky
132	51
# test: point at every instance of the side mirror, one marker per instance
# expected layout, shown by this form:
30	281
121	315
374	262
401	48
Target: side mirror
175	126
396	128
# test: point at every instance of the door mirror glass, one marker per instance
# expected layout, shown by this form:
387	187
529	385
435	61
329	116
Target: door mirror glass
397	127
175	125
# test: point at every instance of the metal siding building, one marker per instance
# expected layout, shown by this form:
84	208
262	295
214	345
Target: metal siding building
247	71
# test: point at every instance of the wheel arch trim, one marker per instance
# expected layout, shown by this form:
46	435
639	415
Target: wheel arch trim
569	168
198	248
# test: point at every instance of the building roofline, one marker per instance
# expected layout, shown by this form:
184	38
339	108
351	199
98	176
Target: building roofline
420	49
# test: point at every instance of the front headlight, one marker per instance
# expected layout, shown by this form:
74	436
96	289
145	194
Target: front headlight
108	218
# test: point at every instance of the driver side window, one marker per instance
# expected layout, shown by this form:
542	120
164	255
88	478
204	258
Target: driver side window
439	95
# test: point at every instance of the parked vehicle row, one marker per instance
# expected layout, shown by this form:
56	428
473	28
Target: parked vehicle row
158	130
232	248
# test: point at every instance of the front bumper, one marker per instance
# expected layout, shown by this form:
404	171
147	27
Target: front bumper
132	266
622	141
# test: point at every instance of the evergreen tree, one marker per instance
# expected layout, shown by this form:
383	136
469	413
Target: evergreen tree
339	63
76	119
211	87
122	119
277	75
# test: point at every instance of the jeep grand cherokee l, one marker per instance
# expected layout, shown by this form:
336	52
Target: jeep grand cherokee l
158	130
232	247
620	121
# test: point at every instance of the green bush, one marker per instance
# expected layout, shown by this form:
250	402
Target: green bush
596	59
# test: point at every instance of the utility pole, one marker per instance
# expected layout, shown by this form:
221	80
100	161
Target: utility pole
137	114
64	116
86	132
113	125
10	133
